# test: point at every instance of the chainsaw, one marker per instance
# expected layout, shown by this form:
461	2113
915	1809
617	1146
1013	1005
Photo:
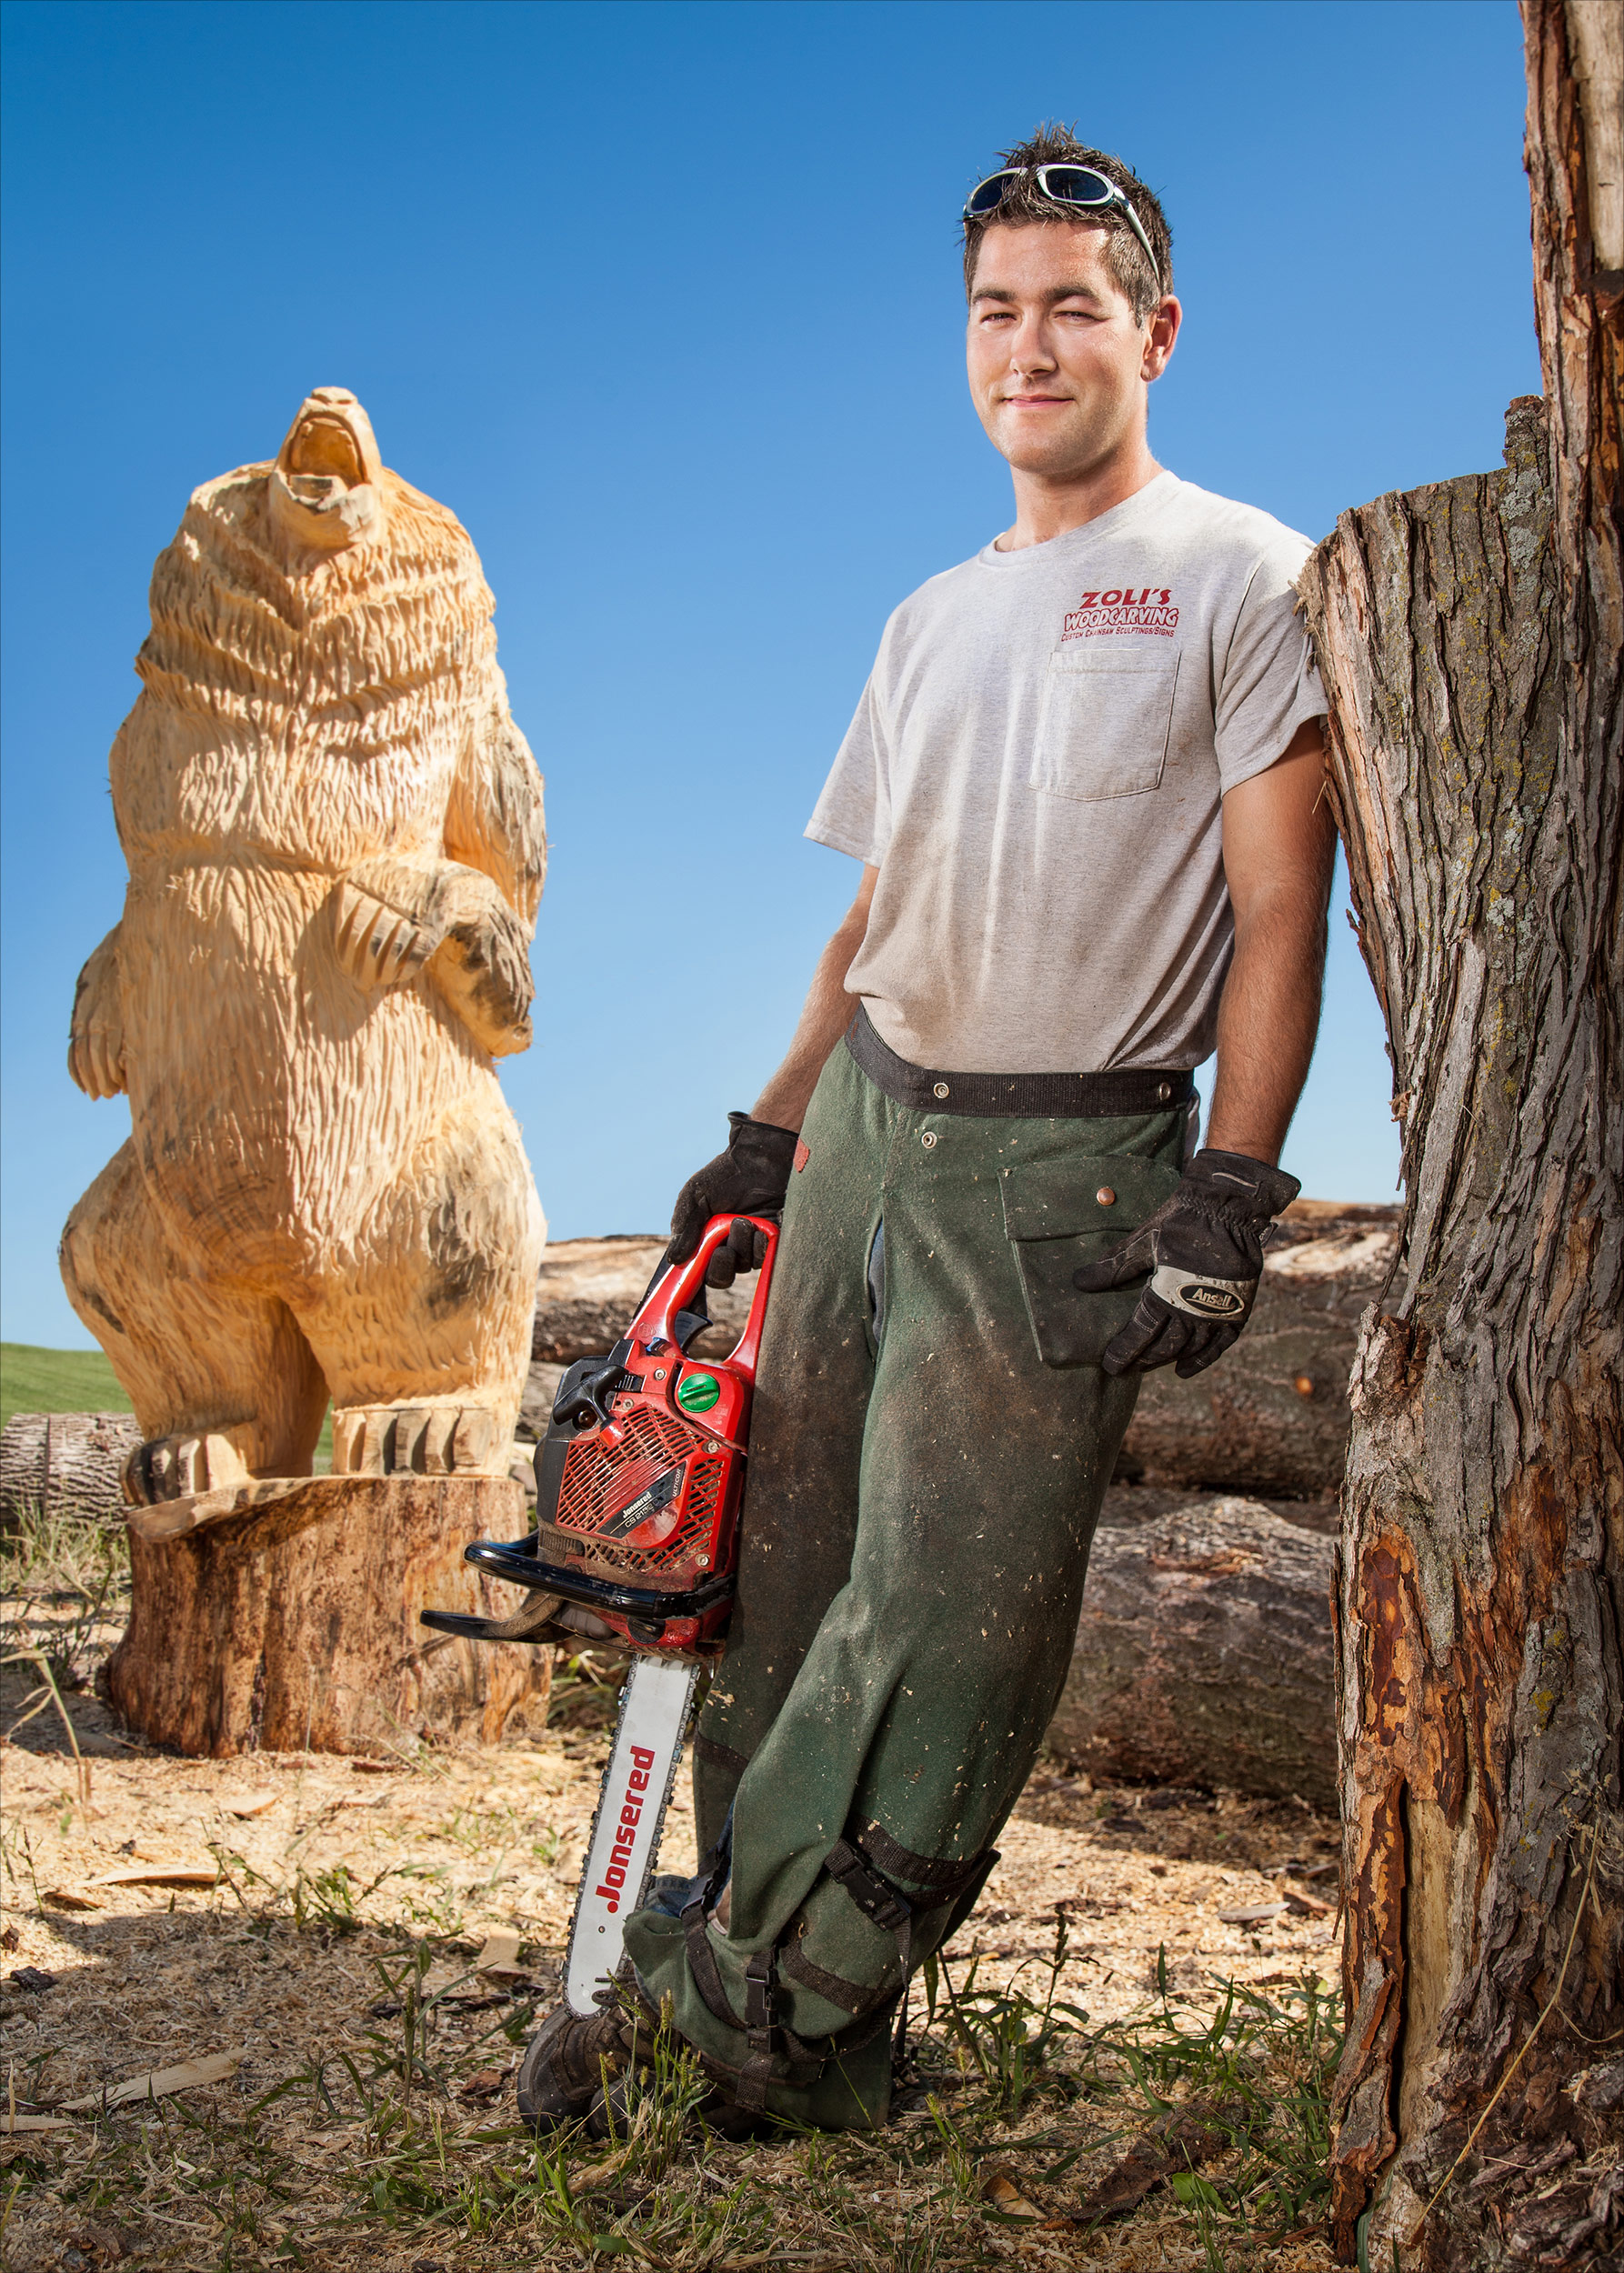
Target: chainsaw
638	1483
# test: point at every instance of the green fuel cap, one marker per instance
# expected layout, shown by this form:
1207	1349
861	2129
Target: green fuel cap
697	1392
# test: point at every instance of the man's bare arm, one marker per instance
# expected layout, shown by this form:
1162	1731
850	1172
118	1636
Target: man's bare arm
1280	842
824	1019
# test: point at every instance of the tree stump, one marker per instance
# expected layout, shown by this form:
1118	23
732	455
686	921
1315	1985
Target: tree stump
1204	1654
1471	638
292	1625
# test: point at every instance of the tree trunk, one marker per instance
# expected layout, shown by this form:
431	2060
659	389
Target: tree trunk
292	1626
1470	634
1204	1654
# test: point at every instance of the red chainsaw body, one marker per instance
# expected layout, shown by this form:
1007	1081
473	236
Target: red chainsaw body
649	1499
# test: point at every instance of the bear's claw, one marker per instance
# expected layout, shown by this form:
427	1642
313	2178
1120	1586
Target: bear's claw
417	1440
178	1468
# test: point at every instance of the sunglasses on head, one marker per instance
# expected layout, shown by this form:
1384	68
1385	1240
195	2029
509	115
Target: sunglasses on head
1078	186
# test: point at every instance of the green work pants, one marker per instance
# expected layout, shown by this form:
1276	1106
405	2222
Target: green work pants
928	1458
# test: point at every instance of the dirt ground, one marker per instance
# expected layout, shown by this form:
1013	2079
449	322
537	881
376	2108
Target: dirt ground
321	1923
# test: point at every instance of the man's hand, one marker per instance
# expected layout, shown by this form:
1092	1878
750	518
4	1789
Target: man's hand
750	1179
1203	1249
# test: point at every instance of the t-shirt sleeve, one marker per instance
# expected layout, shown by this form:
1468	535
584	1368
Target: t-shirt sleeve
853	814
1269	683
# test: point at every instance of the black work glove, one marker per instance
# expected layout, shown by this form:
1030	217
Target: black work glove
750	1178
1203	1249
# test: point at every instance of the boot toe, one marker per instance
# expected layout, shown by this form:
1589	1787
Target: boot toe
562	2070
545	2102
608	2117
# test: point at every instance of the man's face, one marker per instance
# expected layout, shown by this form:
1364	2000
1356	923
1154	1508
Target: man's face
1058	367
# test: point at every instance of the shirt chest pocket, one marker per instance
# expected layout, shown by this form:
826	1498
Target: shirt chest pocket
1103	728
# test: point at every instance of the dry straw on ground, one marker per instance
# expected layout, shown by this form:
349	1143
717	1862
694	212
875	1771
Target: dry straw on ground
359	1949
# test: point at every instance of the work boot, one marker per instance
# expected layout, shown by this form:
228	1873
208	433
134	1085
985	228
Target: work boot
567	2059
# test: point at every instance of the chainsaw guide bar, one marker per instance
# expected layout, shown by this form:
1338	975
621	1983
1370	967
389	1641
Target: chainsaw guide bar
625	1839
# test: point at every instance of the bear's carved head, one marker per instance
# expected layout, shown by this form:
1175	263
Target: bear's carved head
324	489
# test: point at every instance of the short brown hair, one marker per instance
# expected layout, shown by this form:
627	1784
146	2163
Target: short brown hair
1023	204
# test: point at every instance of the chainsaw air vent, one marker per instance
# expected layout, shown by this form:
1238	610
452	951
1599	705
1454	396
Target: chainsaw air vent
601	1479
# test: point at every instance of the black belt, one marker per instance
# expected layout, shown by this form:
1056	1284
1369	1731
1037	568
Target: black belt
1014	1096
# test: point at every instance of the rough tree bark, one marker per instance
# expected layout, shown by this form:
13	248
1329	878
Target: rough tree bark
1470	638
64	1464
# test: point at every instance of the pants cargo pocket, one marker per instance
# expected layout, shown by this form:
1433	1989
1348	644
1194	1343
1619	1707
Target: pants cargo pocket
1058	1213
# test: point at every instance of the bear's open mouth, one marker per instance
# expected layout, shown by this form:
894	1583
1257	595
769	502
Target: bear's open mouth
324	459
324	487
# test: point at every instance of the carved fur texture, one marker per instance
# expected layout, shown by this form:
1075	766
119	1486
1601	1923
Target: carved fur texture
336	845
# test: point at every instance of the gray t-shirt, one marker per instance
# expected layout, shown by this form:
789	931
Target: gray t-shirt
1035	768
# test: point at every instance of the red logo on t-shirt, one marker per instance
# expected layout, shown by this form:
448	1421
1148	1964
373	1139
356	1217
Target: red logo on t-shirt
1144	609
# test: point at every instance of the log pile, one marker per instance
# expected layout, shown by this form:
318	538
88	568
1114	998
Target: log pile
1204	1654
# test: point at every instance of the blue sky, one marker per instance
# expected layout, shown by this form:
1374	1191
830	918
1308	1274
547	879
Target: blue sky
663	300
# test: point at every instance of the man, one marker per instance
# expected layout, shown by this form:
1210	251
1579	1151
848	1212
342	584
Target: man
1085	782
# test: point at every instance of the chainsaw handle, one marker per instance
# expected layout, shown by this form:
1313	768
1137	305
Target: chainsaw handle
672	1292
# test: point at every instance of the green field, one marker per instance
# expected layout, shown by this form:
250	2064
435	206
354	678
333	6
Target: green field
57	1381
36	1380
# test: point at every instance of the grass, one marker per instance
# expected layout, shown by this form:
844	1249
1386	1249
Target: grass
1026	2107
59	1580
35	1380
377	2134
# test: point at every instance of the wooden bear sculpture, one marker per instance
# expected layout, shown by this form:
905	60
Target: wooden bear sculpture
336	845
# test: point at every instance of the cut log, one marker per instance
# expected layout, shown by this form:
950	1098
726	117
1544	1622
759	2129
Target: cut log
586	1290
294	1626
585	1293
64	1464
1204	1654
